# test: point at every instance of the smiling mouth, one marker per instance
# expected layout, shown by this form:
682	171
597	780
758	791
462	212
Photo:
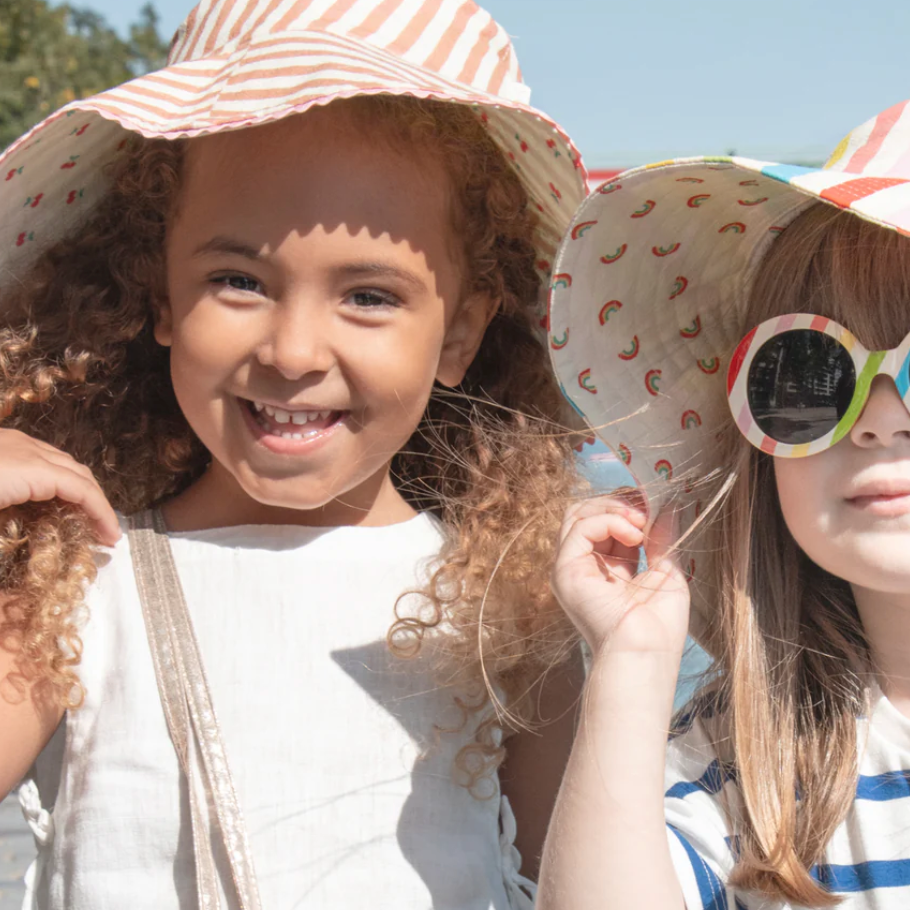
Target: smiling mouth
292	424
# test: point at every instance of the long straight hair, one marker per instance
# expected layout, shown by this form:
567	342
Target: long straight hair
794	659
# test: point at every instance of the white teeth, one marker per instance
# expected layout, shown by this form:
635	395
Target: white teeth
282	416
299	417
269	410
258	405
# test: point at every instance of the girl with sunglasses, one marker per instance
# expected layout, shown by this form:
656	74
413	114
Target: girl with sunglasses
754	321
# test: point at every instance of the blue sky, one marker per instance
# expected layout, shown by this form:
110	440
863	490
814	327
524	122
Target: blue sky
643	80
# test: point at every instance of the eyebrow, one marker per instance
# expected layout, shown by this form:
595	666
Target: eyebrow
228	245
366	270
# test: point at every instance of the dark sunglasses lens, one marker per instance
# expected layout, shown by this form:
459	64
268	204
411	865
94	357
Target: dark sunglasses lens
800	385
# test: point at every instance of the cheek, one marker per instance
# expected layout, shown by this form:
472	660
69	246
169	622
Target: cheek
803	492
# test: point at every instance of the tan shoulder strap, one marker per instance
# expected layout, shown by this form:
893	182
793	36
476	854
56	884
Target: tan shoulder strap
188	709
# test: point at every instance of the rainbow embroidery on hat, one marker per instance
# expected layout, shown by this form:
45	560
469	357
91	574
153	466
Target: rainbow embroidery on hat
734	227
24	236
584	380
646	209
632	351
581	229
652	381
625	455
697	200
559	343
608	309
664	469
609	188
679	286
73	195
562	280
748	183
609	258
777	231
693	329
758	201
689	180
554	192
709	365
33	202
665	251
69	164
690	420
15	172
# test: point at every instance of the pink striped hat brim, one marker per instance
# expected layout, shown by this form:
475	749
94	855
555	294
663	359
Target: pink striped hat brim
61	163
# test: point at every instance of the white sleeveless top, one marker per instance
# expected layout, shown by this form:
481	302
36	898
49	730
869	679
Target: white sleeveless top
345	785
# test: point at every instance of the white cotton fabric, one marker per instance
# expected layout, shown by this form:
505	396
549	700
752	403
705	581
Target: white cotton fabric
867	861
342	775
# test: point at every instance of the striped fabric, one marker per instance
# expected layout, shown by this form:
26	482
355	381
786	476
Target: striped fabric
867	861
239	63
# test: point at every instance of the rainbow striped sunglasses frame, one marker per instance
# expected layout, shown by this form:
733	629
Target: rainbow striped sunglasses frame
868	364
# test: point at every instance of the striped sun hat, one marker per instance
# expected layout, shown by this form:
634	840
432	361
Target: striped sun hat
239	63
650	284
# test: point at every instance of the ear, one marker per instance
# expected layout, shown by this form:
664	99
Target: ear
464	336
164	324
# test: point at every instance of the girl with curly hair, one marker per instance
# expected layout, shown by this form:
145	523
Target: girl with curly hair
278	304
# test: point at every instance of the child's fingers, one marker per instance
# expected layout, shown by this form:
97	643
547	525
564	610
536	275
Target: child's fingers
595	533
70	485
599	505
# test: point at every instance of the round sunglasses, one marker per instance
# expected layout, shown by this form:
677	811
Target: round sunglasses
798	383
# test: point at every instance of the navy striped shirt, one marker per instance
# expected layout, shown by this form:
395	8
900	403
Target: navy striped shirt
867	862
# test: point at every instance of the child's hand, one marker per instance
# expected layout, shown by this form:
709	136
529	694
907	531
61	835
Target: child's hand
33	471
595	578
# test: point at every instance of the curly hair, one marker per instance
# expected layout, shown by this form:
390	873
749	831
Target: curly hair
81	370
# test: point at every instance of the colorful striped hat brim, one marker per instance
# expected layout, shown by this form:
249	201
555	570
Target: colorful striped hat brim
235	65
651	281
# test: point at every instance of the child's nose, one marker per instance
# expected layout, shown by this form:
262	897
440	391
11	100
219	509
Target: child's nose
884	420
298	343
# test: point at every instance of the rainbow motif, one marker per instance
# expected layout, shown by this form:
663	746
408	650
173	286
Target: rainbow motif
690	570
758	201
646	209
584	381
664	469
690	420
625	455
689	180
734	227
610	258
748	183
693	330
710	365
665	251
697	200
581	229
679	286
559	343
562	280
632	351
777	231
608	309
652	381
609	188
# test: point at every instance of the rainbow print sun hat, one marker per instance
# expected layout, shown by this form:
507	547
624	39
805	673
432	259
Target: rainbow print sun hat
650	283
239	63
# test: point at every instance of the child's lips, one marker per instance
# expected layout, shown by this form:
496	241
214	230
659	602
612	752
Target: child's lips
885	498
287	431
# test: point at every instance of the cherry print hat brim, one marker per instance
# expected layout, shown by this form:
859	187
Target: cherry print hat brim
235	65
